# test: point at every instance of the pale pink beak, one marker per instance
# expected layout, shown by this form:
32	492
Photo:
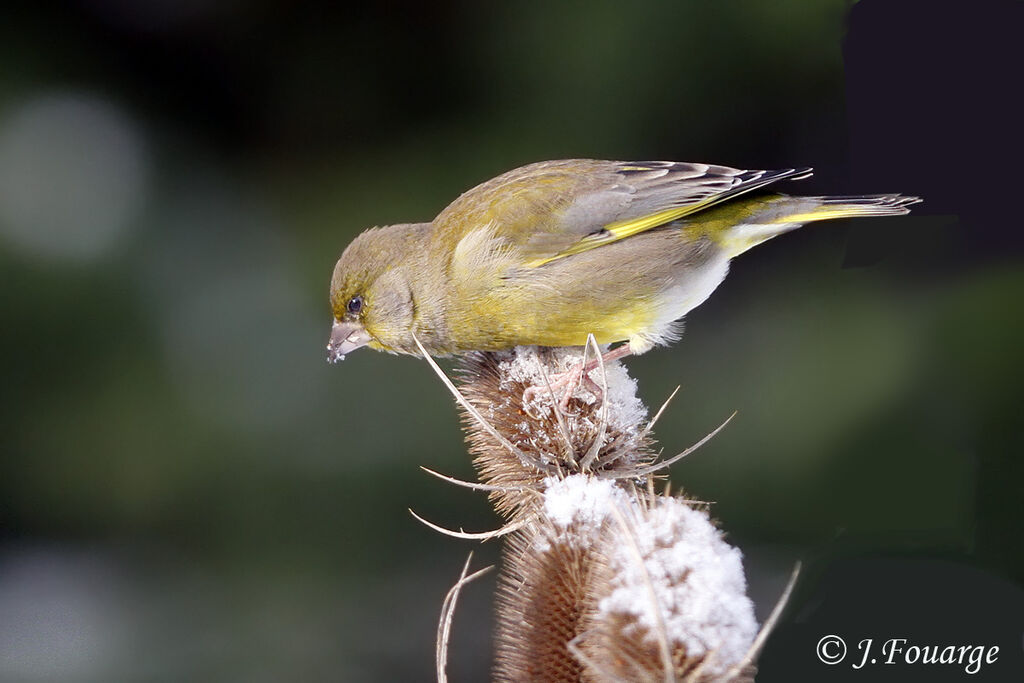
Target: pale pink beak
345	338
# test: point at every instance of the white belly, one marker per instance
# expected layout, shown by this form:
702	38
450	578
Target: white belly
690	290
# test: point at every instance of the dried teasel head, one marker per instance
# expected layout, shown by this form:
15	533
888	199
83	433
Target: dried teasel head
606	436
547	580
602	579
668	596
607	584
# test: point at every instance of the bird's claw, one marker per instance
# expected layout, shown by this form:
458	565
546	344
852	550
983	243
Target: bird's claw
571	380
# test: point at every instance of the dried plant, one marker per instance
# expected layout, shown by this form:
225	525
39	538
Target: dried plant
603	578
610	429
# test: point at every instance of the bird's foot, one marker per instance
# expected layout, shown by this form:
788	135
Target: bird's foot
569	381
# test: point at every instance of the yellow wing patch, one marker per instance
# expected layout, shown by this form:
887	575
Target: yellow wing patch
618	230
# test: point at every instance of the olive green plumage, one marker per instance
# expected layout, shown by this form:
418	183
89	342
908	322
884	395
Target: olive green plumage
551	252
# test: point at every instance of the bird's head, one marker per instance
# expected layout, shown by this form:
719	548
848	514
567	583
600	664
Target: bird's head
371	296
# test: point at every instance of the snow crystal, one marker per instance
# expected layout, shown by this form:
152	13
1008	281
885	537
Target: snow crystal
580	504
697	578
581	499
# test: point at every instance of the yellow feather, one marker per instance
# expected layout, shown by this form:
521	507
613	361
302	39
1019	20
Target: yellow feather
618	230
825	213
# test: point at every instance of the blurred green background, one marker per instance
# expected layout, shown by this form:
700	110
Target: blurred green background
187	490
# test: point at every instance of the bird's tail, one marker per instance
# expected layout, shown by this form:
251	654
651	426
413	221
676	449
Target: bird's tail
827	208
784	213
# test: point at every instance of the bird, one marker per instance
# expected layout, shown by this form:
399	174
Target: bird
550	253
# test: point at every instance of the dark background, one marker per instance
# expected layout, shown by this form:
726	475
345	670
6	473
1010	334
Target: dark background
188	492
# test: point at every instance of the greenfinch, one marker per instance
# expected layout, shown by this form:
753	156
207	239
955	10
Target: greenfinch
550	253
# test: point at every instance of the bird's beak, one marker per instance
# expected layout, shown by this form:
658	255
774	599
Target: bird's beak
345	338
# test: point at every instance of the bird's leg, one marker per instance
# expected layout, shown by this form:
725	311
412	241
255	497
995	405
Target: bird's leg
554	384
583	376
574	376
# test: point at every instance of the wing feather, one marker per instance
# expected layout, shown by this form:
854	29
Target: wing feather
555	209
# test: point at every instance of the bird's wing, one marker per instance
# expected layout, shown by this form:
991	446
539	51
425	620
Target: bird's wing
554	209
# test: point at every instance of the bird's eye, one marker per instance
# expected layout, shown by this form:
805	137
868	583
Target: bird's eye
355	304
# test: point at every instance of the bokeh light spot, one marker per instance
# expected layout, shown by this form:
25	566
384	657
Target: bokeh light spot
73	174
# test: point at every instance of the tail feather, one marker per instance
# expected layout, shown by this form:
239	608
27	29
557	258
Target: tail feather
785	213
853	206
